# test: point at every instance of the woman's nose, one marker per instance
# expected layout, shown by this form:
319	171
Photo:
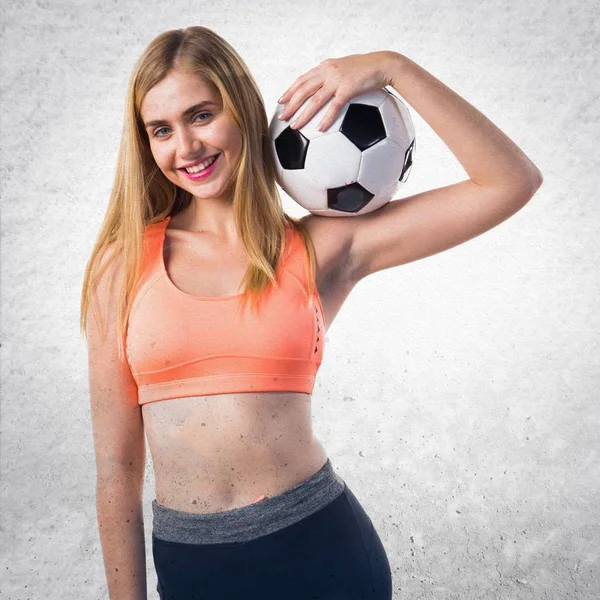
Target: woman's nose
188	144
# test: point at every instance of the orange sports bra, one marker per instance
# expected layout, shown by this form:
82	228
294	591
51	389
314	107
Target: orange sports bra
179	344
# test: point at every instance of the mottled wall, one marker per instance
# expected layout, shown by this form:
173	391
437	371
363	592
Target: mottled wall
458	395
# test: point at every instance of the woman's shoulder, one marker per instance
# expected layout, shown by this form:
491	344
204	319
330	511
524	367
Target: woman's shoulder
154	231
294	233
156	224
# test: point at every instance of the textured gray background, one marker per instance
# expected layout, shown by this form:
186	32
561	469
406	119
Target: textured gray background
458	395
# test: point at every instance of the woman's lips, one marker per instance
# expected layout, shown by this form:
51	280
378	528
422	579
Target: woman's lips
202	174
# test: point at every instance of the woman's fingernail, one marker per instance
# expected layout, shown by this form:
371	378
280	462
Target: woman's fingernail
281	99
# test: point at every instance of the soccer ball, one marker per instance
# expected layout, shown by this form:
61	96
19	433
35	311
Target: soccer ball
356	165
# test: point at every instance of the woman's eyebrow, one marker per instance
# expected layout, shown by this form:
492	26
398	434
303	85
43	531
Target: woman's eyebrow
185	113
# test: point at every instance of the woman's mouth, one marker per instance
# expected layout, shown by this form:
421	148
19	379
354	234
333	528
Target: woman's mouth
204	173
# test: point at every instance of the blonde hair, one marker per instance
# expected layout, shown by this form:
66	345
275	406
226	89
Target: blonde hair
142	195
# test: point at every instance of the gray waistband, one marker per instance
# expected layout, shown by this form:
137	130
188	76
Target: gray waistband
252	521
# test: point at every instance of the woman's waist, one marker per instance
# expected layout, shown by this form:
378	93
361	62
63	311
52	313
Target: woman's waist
235	475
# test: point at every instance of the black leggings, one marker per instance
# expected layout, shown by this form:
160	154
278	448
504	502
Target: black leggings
333	553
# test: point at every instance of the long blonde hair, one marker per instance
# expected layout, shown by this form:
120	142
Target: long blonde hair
142	195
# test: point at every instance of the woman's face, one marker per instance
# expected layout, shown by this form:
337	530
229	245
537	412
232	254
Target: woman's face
181	134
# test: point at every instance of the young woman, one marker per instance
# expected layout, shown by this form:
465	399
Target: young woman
248	505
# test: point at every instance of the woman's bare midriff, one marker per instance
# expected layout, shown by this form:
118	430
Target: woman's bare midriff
220	452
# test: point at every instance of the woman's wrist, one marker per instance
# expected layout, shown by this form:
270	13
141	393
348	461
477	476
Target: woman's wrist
395	64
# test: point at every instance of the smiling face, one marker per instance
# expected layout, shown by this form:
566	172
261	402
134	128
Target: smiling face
181	132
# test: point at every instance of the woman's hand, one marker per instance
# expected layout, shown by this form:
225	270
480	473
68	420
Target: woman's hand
343	78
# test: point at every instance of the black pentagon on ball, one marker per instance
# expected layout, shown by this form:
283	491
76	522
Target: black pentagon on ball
291	147
408	160
348	198
363	125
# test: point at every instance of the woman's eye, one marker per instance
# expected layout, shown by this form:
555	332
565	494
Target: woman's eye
204	113
157	132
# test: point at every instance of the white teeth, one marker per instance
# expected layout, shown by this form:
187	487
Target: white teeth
201	166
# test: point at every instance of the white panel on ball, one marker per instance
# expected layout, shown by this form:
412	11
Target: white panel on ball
395	123
332	161
380	165
297	184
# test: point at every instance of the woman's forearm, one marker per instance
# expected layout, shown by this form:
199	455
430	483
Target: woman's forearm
121	529
489	157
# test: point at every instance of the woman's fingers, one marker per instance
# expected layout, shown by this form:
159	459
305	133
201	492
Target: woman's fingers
334	108
314	104
319	95
297	98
